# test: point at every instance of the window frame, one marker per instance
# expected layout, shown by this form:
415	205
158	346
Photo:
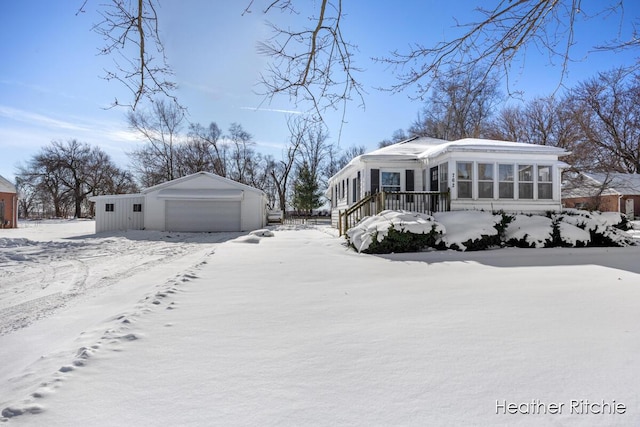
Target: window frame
443	180
503	183
387	187
541	182
109	207
485	181
137	207
464	182
523	184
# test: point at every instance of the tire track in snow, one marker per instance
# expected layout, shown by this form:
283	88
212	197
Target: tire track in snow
70	272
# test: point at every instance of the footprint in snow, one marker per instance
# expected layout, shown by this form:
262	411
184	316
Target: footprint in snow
14	411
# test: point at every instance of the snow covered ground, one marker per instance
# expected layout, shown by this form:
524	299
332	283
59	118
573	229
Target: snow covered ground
149	328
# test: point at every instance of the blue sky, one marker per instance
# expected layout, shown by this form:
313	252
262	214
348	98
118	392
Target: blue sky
50	85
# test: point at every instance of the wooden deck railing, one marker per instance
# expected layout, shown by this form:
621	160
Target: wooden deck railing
414	201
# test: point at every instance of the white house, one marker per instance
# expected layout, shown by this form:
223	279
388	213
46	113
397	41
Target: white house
472	173
199	202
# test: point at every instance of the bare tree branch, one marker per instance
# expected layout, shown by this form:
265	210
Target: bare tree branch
134	23
494	42
311	65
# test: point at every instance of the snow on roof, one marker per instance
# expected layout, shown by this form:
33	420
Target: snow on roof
604	184
490	145
115	196
409	147
196	175
417	148
6	186
623	183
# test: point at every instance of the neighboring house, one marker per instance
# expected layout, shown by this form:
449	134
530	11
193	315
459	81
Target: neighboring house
8	204
199	202
473	173
605	192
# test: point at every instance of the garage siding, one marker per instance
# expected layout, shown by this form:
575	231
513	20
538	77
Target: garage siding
202	215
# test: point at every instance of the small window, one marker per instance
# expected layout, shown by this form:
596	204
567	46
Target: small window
485	180
464	174
545	186
109	207
137	207
525	181
505	181
390	181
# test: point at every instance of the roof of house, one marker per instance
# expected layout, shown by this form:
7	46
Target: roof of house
409	147
491	146
604	184
6	186
418	148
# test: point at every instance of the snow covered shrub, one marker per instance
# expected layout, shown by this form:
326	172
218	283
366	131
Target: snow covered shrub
401	231
601	226
397	241
372	230
528	231
470	230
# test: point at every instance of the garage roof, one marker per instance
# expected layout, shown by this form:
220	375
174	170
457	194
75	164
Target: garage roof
212	176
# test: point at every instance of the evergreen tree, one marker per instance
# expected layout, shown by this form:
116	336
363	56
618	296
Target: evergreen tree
306	190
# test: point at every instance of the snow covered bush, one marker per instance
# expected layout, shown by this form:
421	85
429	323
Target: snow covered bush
402	231
604	228
471	230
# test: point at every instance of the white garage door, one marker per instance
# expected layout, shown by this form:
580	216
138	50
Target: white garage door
202	215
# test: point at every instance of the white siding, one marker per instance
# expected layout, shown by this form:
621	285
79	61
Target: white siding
199	196
122	217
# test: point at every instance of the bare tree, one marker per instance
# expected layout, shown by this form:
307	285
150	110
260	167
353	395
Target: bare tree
460	106
65	174
156	161
242	153
280	171
397	136
314	148
503	33
205	149
608	110
27	194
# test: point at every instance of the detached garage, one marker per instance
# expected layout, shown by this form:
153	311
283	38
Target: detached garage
200	202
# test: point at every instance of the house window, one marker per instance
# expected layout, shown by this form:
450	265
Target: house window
390	181
137	207
545	183
464	177
525	181
109	207
505	181
444	178
485	180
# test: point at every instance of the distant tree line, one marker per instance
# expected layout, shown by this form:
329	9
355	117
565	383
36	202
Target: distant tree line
597	121
59	180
